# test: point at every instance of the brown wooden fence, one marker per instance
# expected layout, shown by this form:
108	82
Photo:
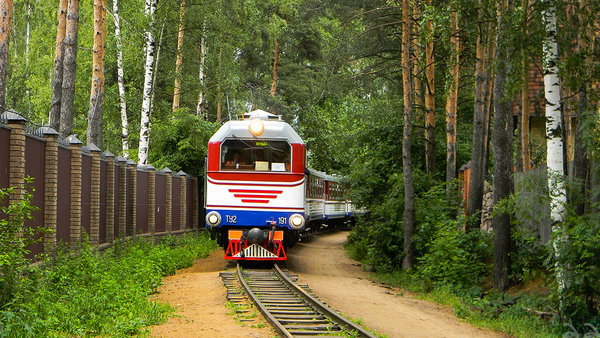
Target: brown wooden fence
81	191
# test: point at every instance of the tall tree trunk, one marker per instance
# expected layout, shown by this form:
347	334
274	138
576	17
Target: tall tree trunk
200	109
477	155
554	136
27	41
580	160
69	65
55	102
155	72
417	77
452	102
5	16
121	81
502	140
275	64
490	55
408	94
219	104
524	134
429	100
94	129
144	145
179	60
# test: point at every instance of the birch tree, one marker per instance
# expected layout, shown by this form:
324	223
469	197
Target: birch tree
554	129
5	16
143	148
56	100
200	109
408	94
179	60
121	81
94	129
69	66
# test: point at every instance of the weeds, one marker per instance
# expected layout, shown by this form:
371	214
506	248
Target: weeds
99	294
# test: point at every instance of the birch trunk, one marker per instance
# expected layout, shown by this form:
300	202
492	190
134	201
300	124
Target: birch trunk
69	66
275	64
429	100
554	128
55	102
156	62
408	94
27	40
179	59
146	99
554	137
121	81
94	129
451	102
502	140
200	110
5	17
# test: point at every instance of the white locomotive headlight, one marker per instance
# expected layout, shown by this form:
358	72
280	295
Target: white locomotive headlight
297	221
213	219
257	127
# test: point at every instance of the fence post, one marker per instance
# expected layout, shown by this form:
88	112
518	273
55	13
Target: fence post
122	164
16	168
51	187
75	219
131	191
95	195
183	202
151	199
110	196
169	200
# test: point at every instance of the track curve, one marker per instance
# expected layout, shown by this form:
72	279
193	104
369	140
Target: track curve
291	309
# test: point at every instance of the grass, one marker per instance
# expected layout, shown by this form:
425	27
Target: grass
99	294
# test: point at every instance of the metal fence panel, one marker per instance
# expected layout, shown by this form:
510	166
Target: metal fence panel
64	195
34	168
160	202
86	191
141	209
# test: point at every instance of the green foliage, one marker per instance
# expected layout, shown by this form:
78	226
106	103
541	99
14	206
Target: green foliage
99	294
14	241
455	258
577	262
181	143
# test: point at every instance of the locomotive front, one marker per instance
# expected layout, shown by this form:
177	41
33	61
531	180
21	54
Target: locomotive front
255	185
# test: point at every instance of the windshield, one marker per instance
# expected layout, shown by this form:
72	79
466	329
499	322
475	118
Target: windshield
255	155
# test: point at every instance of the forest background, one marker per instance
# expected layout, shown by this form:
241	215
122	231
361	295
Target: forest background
393	95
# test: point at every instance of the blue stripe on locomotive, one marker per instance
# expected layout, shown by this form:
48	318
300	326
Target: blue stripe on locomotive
245	218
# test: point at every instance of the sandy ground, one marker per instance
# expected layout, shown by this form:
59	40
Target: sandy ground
199	296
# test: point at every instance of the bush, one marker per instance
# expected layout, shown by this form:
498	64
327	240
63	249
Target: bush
455	258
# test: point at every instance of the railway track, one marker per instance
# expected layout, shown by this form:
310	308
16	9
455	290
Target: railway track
290	308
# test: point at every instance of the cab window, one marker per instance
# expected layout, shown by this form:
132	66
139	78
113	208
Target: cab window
255	155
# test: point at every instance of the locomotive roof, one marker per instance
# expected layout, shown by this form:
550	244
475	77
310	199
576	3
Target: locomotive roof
275	128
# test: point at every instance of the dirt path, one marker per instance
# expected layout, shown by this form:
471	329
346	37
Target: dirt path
199	296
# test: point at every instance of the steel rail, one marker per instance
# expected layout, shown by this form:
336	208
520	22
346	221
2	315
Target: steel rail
282	330
326	310
290	309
